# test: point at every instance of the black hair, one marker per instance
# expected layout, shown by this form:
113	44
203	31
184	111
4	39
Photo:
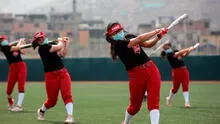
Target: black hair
163	54
35	44
111	41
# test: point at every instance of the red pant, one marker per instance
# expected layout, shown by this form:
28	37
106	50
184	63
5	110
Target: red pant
55	81
180	76
17	72
144	78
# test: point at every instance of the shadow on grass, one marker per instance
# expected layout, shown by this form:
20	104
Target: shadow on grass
25	111
198	107
59	122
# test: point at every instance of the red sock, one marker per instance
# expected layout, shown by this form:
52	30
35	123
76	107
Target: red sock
11	101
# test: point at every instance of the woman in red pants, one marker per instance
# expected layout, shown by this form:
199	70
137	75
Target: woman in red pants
56	76
180	72
17	72
143	73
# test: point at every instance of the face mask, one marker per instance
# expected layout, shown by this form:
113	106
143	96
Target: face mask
169	51
45	41
4	43
119	36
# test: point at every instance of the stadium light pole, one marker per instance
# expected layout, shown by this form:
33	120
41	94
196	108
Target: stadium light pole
75	25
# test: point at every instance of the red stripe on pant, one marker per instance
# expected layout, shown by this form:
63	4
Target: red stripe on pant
144	78
180	76
17	72
57	81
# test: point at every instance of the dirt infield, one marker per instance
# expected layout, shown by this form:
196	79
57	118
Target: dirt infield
122	82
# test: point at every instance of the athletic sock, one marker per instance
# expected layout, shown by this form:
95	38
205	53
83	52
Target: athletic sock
43	108
186	97
128	117
69	108
154	116
171	94
10	100
20	99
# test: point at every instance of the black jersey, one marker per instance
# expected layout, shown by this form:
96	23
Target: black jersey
51	60
174	62
130	57
12	57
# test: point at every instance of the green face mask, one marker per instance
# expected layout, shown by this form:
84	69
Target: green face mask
119	36
45	41
4	43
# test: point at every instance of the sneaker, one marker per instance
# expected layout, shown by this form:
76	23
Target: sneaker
168	101
17	108
187	105
40	115
10	103
122	122
69	120
10	107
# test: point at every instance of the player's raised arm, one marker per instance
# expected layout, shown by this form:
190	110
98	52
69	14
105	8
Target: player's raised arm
143	37
63	51
19	44
184	52
151	42
58	46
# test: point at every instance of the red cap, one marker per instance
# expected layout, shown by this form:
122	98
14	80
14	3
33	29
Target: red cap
39	35
114	29
3	37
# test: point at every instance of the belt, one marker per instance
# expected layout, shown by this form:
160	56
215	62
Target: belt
142	66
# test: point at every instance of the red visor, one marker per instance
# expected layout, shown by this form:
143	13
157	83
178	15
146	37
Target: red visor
39	35
3	37
114	29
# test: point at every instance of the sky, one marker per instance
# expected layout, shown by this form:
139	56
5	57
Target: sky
20	6
126	11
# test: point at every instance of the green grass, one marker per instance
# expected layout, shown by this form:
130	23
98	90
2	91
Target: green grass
106	104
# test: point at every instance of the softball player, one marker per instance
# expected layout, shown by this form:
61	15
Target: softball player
56	76
180	72
17	72
143	73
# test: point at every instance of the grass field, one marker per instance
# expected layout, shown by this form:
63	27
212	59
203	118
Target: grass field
106	104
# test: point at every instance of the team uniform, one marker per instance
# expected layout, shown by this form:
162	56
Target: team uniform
56	79
143	76
17	73
180	76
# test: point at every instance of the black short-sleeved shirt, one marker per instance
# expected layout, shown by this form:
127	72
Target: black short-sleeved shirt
51	60
9	55
174	62
130	57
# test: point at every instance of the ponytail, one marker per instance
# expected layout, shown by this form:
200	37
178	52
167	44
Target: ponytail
112	47
163	54
112	52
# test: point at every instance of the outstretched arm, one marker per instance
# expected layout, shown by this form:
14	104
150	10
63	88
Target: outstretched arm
150	43
184	52
143	37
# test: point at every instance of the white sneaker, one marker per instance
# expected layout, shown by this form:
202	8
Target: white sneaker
40	115
17	109
69	120
10	107
10	104
168	101
187	105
